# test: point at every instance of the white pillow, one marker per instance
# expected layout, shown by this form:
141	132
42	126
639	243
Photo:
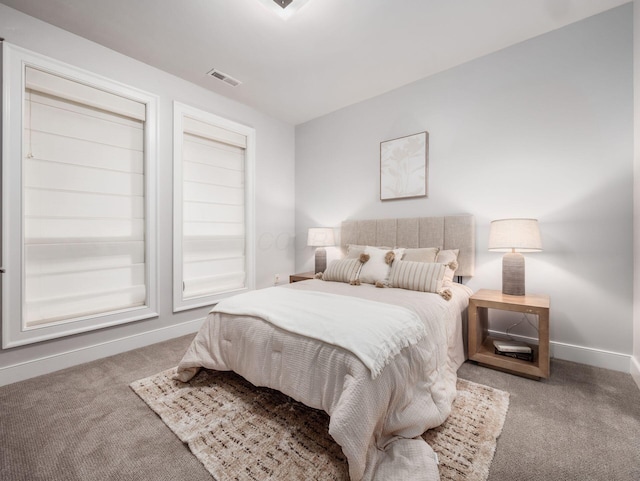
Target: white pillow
423	254
354	250
450	258
417	276
376	268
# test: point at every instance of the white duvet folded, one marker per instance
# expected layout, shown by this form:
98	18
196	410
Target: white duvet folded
373	331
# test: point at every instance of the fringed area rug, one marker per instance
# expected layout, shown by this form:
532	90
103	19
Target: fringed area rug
241	432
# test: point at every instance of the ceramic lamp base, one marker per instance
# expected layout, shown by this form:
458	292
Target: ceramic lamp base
321	260
513	274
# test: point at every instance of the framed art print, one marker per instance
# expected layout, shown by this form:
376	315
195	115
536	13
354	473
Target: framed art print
404	166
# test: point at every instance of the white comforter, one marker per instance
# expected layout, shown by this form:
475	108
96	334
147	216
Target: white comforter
374	331
377	422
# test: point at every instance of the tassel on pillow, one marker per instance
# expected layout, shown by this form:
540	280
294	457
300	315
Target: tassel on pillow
364	257
389	257
379	284
445	294
355	282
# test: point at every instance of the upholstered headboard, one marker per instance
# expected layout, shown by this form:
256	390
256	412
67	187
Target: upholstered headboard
447	232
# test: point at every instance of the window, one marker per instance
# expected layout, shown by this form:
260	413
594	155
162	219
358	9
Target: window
213	210
78	197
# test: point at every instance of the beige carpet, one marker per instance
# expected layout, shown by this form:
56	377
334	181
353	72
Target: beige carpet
242	432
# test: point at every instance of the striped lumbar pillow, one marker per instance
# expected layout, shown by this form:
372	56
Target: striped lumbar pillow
342	270
417	276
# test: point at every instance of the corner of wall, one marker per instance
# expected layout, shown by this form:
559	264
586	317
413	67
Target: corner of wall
635	359
635	370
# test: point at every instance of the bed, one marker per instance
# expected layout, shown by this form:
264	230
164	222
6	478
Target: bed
381	393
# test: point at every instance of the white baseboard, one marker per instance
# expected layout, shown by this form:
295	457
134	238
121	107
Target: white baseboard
584	355
47	364
635	370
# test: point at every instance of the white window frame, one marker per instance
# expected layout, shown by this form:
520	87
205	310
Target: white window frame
179	112
14	62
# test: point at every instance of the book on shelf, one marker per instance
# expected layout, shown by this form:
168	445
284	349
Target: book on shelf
512	346
524	356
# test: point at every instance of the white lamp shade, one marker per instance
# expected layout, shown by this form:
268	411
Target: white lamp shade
320	237
519	235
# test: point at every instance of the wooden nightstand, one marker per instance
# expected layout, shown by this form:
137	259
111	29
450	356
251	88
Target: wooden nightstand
301	277
481	347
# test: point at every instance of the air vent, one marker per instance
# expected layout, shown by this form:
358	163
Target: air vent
224	77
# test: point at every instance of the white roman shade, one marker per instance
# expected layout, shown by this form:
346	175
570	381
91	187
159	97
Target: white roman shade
213	209
83	188
48	83
218	134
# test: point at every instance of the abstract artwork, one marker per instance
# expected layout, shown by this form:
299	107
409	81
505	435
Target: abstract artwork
404	167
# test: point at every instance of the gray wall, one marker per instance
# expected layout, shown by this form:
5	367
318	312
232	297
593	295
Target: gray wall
274	193
542	129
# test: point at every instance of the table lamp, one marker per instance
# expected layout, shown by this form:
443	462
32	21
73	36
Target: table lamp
320	237
514	236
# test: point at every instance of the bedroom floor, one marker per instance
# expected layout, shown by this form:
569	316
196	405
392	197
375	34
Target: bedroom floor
84	423
581	424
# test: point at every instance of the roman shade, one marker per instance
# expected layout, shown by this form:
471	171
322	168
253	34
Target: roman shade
83	200
48	83
213	221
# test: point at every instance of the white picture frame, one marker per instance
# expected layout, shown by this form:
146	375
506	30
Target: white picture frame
404	166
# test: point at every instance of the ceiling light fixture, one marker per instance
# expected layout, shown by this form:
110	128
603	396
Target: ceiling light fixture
283	3
284	8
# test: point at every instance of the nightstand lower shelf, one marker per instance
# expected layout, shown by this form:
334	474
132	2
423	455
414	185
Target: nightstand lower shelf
486	356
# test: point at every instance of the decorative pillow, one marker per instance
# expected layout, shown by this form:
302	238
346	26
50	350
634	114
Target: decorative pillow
354	250
450	258
342	270
425	254
376	269
417	276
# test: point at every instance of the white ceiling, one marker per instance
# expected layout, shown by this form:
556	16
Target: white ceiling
329	54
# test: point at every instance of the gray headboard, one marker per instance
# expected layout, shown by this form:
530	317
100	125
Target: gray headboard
446	232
